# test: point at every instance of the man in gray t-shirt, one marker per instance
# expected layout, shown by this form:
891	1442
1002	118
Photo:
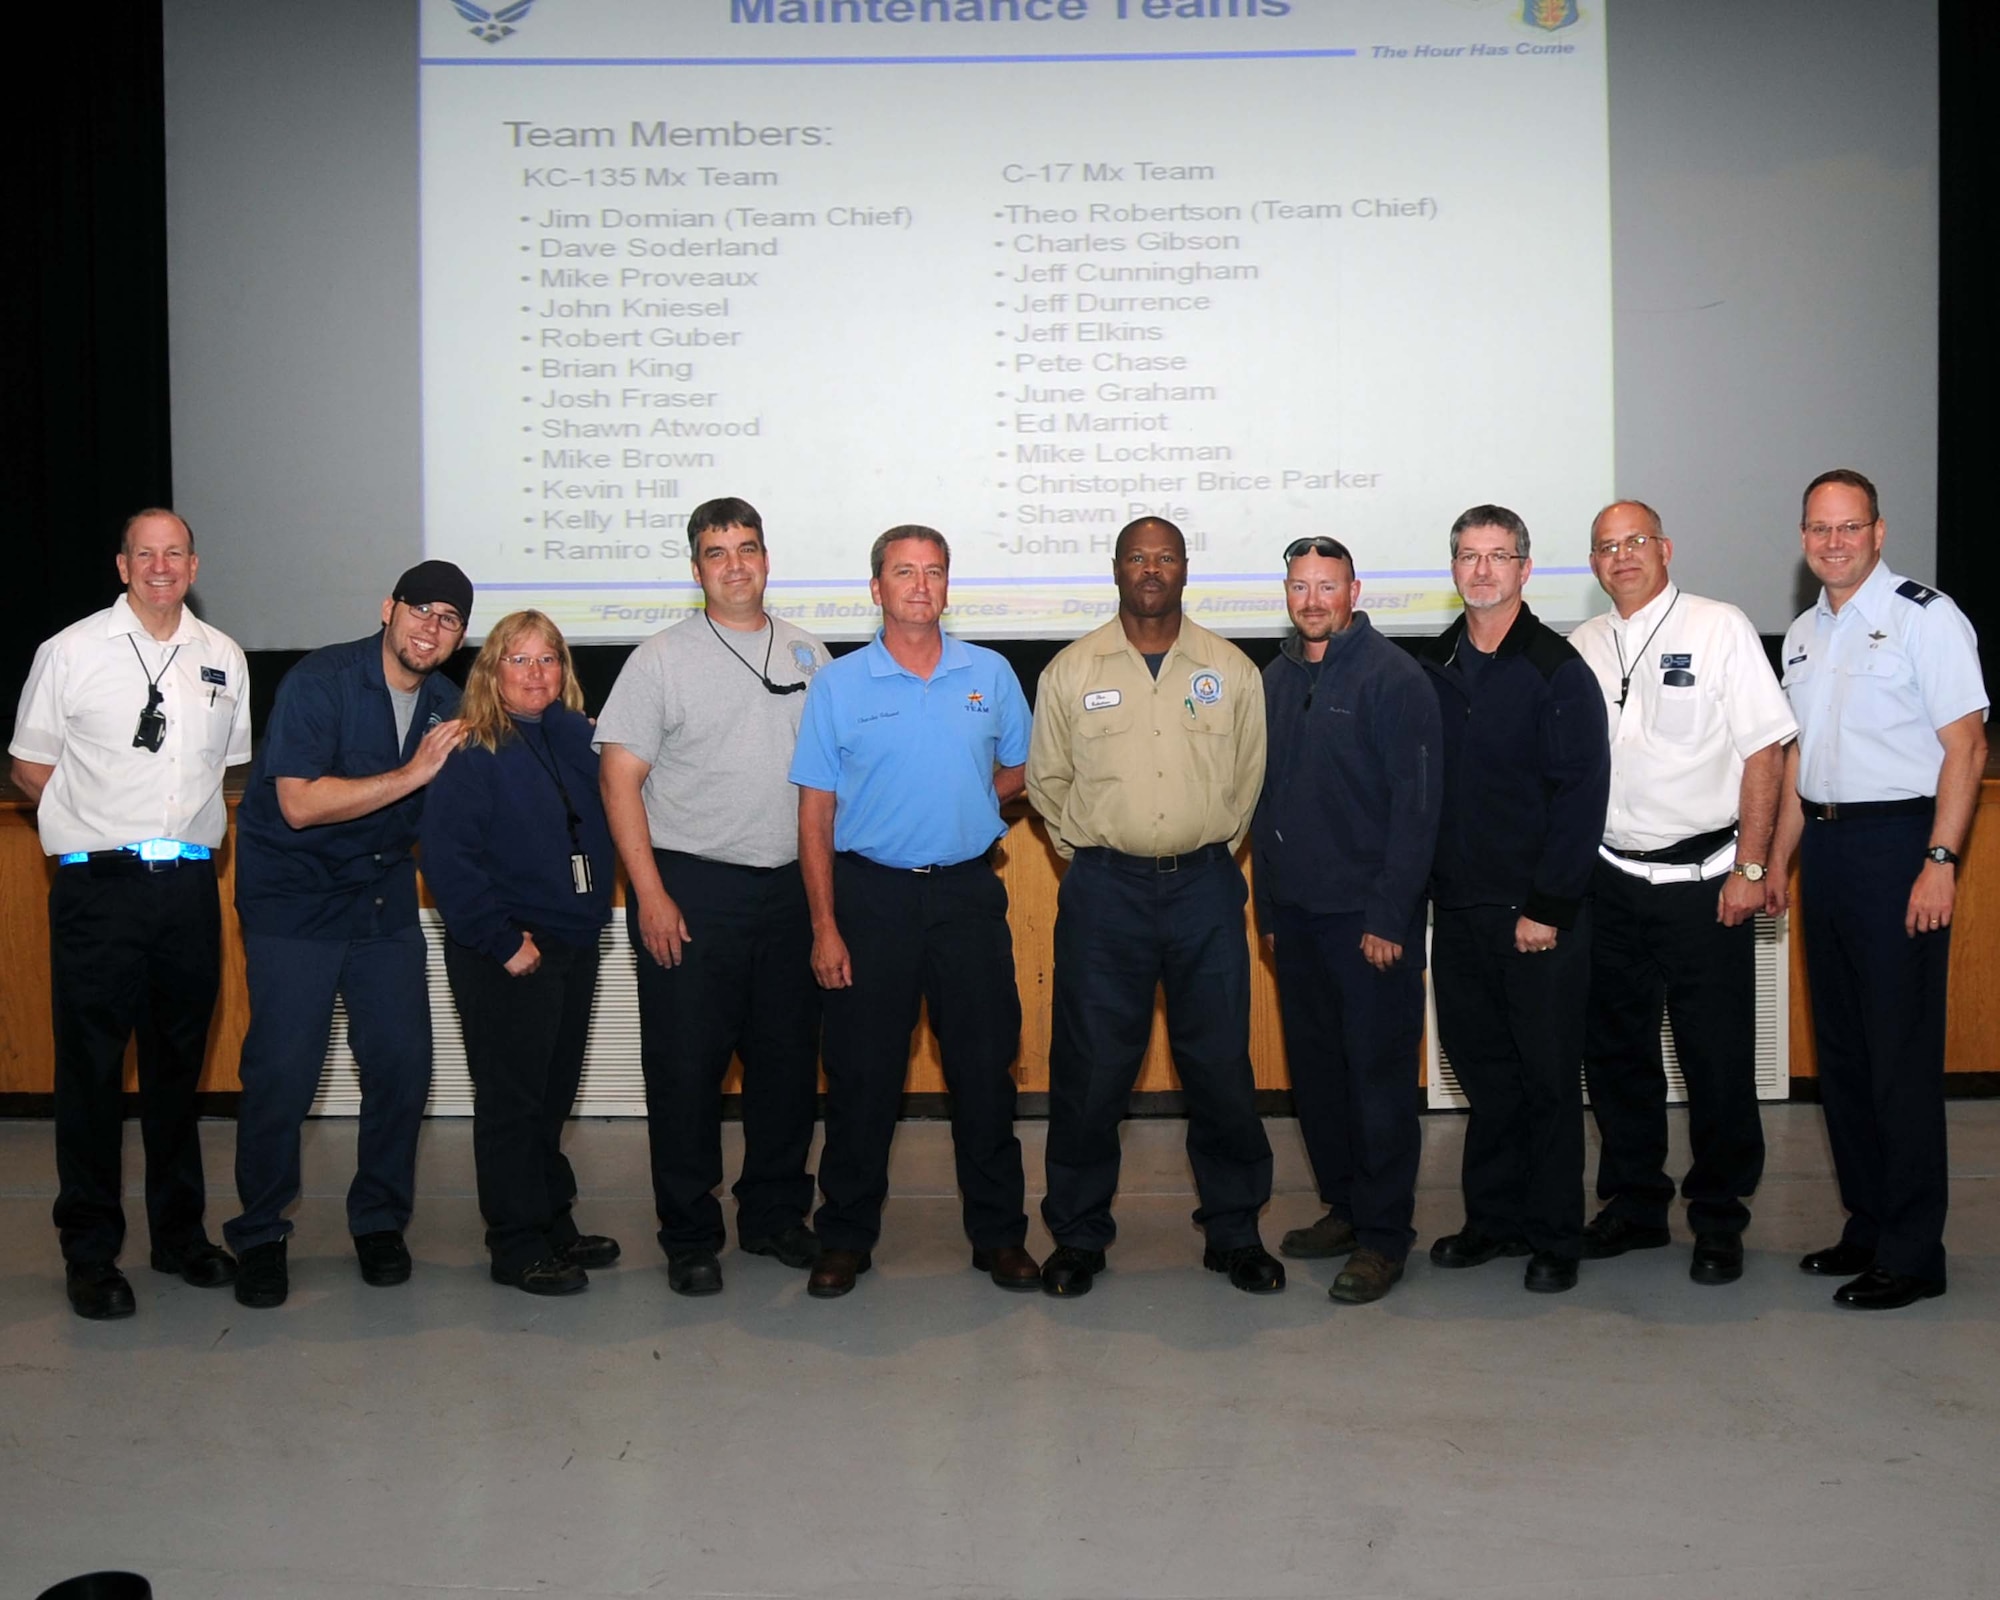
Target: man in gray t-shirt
696	741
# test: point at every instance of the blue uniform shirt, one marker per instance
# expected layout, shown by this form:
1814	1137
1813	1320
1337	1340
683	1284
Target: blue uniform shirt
909	763
1872	683
339	880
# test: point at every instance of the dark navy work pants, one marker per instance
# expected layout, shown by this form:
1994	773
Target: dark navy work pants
1351	1037
1122	931
525	1037
1655	946
132	949
744	987
941	939
292	987
1878	1004
1512	1025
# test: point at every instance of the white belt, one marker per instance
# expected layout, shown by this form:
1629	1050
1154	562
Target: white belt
1675	871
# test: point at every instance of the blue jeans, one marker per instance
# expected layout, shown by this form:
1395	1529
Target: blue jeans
292	986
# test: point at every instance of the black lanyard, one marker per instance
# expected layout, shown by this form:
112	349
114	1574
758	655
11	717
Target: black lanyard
548	764
1639	657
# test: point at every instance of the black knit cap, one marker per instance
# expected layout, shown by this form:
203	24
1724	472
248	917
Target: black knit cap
429	581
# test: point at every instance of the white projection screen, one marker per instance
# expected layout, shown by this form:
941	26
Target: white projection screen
520	285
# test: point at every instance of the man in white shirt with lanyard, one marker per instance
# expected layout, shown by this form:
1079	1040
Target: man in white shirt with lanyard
125	725
1698	728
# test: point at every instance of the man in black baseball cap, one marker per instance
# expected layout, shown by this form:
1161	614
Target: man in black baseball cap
326	889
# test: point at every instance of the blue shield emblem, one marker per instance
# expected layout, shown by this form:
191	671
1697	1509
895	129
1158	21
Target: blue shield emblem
1548	15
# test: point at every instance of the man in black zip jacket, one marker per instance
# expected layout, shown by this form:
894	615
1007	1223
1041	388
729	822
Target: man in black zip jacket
1343	836
1527	774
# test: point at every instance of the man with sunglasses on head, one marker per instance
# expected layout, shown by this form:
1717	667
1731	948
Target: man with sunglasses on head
695	743
1343	838
1698	729
1526	774
125	725
326	888
1883	674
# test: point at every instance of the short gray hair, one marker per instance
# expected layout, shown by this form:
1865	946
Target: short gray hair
1491	517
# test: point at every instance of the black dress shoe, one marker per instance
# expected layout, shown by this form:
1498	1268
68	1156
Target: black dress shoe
1330	1236
1549	1273
589	1250
98	1291
834	1273
261	1279
1879	1289
1718	1258
1068	1271
1009	1265
385	1259
694	1273
202	1264
1608	1234
797	1246
1251	1268
1471	1248
1841	1260
550	1275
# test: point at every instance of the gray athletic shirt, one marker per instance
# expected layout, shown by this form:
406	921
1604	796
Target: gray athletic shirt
718	741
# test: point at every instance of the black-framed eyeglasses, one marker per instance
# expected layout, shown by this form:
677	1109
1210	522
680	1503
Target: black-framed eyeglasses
447	621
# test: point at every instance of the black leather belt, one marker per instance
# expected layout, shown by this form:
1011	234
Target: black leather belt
1687	852
1856	810
983	860
1125	863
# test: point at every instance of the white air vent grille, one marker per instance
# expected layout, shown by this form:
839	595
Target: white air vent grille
1773	1031
612	1085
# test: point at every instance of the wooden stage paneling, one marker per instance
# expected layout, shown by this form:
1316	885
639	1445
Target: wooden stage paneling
1031	869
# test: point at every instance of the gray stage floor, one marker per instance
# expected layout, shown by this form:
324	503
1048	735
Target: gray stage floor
931	1435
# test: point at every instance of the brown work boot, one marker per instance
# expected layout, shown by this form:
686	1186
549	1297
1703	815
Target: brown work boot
1330	1236
1368	1275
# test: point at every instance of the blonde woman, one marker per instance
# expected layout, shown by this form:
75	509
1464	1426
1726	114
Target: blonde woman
518	858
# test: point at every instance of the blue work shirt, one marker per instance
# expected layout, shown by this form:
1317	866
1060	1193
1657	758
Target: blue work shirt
1872	683
337	880
909	762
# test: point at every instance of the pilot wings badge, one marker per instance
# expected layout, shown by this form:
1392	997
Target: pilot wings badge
494	25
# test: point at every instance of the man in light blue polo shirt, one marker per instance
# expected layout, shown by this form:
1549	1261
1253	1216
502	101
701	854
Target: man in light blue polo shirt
908	749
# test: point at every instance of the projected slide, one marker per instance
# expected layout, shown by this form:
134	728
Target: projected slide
1018	269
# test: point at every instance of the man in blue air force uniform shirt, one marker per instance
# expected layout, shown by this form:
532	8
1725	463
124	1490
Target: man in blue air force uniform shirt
1883	674
908	750
326	887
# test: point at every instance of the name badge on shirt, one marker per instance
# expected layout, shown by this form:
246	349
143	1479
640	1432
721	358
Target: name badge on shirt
216	676
579	872
1102	699
1675	659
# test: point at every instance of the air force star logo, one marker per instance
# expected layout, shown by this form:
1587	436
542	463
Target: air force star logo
494	25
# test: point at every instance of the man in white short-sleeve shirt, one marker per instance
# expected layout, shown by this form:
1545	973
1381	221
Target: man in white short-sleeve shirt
696	740
1698	727
126	723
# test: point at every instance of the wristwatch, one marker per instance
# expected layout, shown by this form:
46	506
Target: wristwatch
1749	871
1941	855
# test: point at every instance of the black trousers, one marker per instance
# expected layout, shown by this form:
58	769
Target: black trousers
1351	1038
744	987
1653	946
1878	1004
524	1044
132	949
1512	1025
1121	932
940	938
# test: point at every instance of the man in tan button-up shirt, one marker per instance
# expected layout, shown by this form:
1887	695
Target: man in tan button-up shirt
1146	762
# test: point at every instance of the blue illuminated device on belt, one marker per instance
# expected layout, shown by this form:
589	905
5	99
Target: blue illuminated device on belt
145	850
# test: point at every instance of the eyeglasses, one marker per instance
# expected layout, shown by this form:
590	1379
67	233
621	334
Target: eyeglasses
544	662
1826	530
1636	543
1332	549
1468	560
447	621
